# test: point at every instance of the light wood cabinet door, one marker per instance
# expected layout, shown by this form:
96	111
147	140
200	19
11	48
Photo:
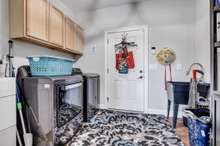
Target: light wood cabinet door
70	36
37	19
79	43
56	26
41	23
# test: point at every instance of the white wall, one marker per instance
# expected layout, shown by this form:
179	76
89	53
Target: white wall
23	49
202	35
171	24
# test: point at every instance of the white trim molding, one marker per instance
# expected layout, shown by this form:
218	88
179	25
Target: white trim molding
164	112
103	106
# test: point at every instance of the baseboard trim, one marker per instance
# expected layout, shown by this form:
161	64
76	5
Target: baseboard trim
103	106
151	111
156	112
163	112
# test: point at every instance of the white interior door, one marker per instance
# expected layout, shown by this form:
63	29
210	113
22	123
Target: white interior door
126	91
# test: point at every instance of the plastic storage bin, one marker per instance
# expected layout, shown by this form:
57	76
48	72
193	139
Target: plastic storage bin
203	90
200	112
199	125
50	66
217	2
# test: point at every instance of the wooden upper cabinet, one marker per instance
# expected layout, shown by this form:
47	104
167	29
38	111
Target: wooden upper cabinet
37	19
79	44
56	26
74	37
70	36
40	22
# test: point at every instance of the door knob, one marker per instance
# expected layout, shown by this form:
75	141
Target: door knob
141	77
141	71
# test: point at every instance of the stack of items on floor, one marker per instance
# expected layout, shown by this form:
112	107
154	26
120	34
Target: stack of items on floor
195	94
198	116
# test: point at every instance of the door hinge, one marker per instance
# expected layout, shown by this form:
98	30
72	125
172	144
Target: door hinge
107	41
107	70
107	99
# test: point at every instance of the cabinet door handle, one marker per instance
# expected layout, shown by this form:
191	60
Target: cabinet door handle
72	86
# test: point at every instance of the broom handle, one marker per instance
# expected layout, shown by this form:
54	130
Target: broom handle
19	138
22	121
33	114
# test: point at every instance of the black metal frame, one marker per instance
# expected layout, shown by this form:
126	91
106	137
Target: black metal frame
214	46
89	109
58	97
85	100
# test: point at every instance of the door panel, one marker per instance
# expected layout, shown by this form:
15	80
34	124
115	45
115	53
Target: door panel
37	19
70	36
56	26
79	38
126	91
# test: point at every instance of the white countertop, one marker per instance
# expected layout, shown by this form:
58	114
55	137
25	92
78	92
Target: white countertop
7	87
7	103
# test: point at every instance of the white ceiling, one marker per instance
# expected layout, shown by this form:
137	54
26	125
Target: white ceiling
86	5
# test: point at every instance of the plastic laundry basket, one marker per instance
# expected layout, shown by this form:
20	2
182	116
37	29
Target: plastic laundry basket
199	125
50	66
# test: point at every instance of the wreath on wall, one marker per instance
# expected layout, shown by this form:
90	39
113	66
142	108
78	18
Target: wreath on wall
166	57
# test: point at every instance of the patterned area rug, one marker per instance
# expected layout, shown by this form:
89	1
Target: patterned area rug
66	113
71	118
113	128
66	132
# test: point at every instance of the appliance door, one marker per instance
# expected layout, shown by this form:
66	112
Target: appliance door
73	94
68	102
216	120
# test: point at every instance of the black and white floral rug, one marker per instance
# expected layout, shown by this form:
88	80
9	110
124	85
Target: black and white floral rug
114	128
67	112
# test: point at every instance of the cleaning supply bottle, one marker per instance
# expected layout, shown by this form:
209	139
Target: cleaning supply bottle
193	90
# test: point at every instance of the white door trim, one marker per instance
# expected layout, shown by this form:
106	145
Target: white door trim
146	63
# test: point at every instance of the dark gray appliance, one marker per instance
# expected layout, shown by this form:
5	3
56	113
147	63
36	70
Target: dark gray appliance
216	119
55	100
91	92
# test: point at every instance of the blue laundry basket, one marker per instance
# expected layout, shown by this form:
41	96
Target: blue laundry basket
199	125
50	66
